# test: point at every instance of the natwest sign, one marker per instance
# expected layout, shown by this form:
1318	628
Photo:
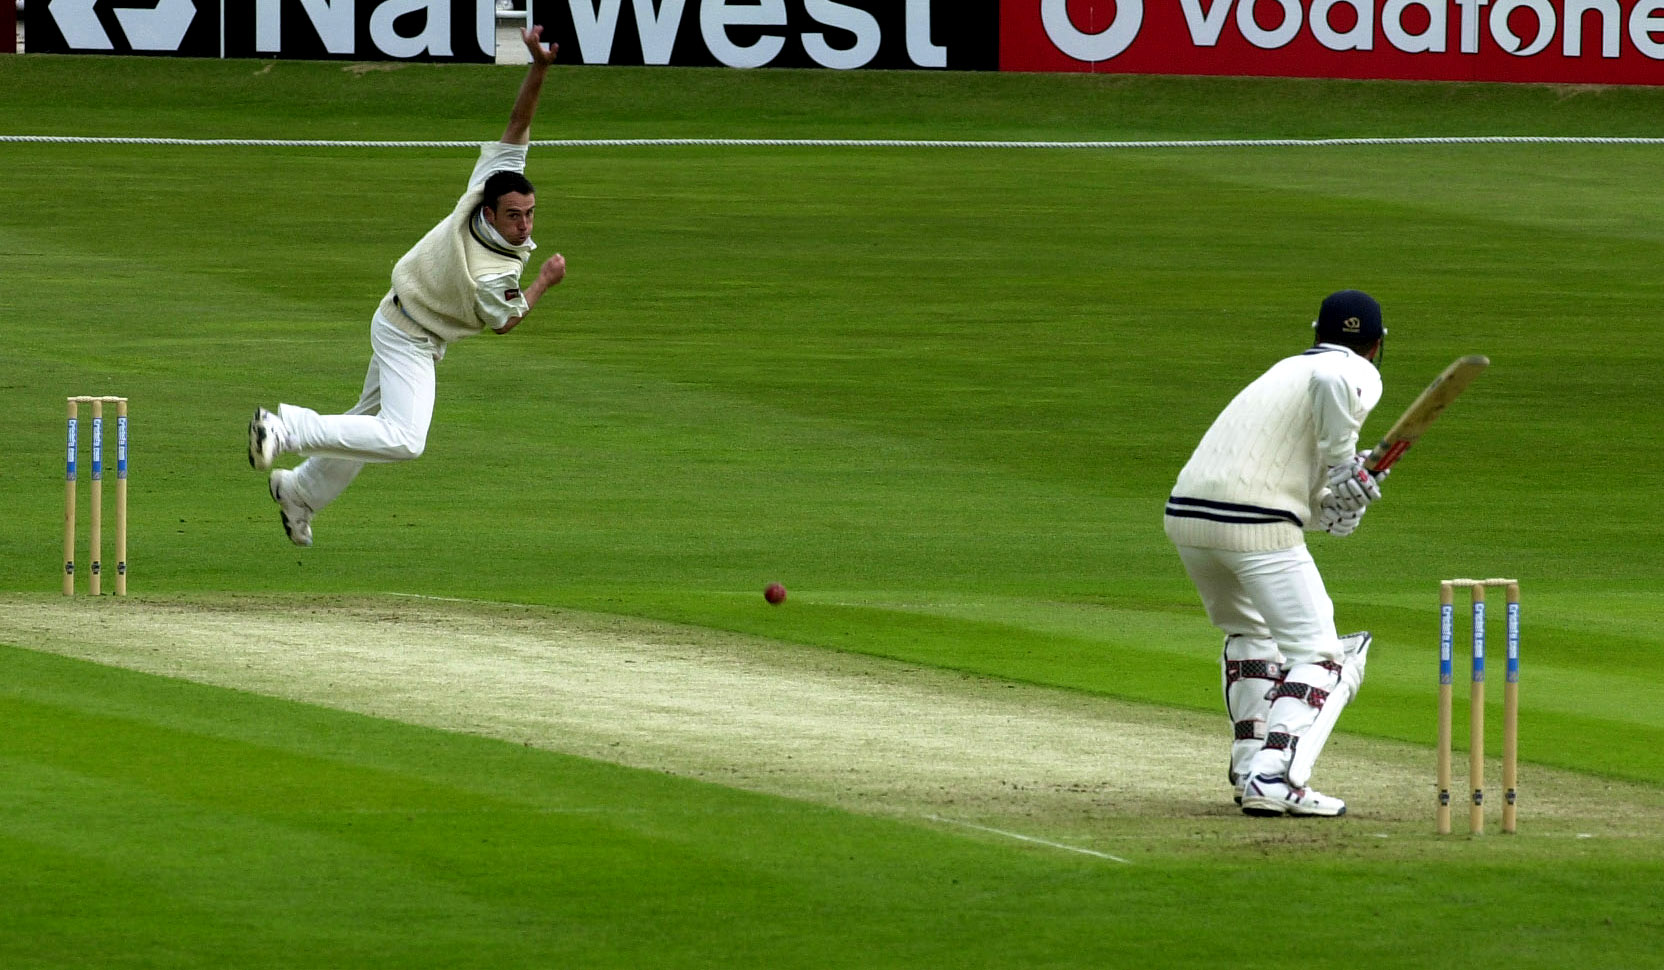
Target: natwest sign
429	30
1560	41
840	34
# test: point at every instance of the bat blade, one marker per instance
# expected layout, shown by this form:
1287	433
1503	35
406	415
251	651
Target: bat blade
1421	413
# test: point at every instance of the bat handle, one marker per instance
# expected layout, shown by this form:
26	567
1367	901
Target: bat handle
1383	456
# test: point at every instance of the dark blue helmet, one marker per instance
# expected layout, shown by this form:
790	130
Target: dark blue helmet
1350	318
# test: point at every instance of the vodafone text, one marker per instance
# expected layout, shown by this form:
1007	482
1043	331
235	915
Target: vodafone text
1521	28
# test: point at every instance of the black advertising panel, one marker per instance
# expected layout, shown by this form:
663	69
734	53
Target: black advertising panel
358	30
957	35
151	27
368	30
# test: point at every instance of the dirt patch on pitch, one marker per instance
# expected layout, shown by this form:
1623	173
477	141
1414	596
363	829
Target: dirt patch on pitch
855	732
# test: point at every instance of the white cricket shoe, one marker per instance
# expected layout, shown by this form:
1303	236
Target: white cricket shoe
297	515
265	439
1271	796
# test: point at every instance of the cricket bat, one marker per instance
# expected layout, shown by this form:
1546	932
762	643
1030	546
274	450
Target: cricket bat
1420	414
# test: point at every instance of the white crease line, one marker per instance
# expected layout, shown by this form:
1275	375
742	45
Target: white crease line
443	599
1030	838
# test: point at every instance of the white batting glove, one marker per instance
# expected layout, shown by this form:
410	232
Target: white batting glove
1339	522
1351	486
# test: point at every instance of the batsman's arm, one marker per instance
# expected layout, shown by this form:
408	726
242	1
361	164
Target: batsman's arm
1338	412
551	273
519	127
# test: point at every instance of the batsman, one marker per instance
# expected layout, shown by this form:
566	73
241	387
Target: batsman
1279	461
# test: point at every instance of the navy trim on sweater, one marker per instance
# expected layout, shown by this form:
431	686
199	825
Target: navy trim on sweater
1231	512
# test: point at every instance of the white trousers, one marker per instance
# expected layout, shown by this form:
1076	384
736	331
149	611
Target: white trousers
389	422
1277	595
1272	607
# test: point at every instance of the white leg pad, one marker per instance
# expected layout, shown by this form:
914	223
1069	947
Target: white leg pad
1295	705
1249	668
1355	649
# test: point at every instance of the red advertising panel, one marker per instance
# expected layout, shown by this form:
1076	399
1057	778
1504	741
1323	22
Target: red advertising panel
1553	41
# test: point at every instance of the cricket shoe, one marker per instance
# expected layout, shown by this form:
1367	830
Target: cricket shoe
265	439
1271	796
297	515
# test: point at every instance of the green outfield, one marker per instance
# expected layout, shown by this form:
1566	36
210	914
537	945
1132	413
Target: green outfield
940	394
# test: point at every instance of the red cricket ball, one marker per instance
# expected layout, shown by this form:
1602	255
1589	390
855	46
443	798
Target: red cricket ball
774	593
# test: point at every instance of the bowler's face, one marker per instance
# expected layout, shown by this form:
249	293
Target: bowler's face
513	216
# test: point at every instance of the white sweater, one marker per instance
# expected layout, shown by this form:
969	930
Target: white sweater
461	277
1260	471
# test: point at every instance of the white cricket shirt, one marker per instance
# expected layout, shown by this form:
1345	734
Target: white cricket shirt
1260	470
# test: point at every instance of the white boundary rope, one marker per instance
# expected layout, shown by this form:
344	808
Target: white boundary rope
853	142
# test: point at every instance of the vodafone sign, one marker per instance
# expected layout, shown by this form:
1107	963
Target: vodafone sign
1557	41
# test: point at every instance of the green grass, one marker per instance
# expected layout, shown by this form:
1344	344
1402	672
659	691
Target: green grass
939	394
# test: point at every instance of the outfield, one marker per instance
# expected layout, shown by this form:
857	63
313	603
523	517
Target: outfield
940	394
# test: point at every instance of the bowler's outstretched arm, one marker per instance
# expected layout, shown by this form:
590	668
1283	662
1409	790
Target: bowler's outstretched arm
519	127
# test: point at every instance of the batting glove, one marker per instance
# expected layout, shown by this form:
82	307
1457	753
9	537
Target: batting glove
1351	486
1339	522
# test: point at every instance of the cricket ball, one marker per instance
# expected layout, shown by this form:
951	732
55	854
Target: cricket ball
774	593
